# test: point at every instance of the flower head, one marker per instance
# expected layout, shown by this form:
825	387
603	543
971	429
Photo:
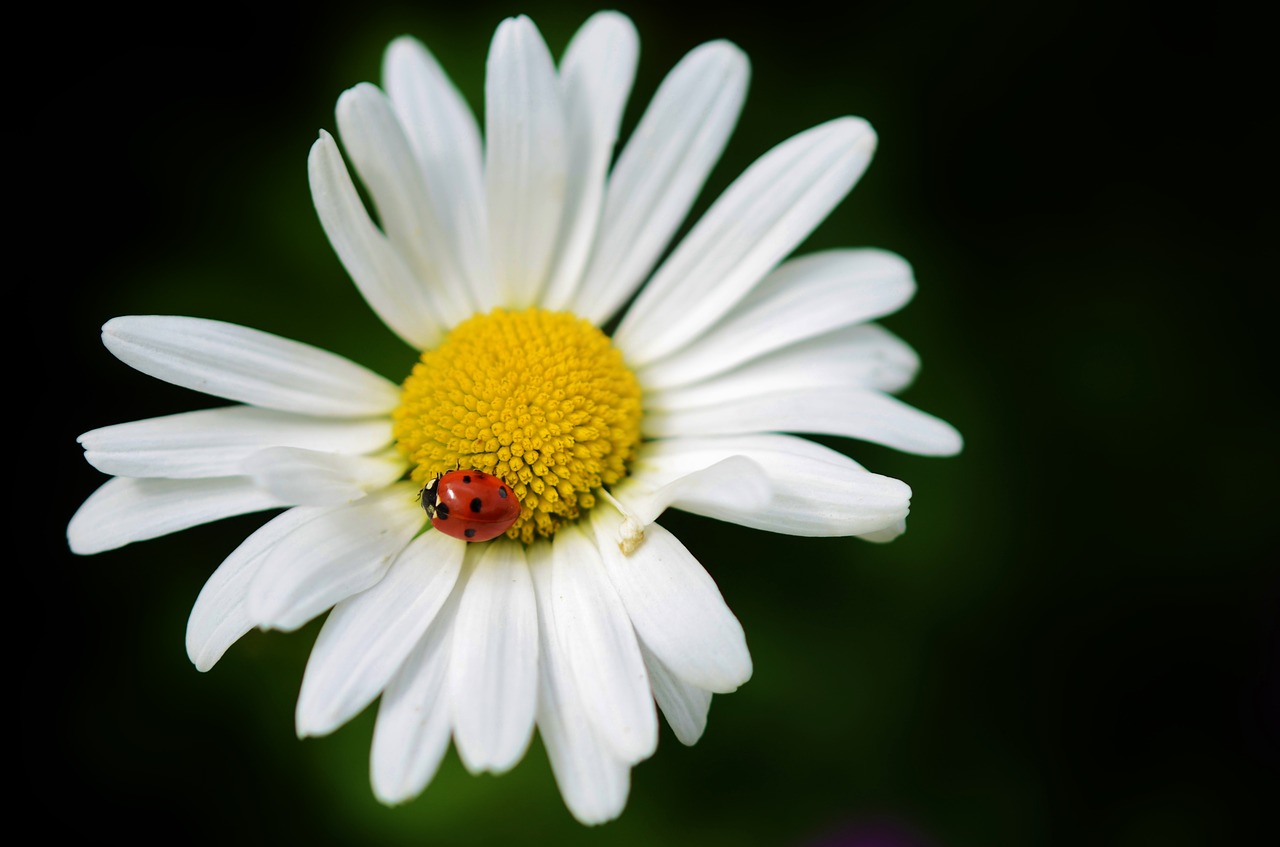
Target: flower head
501	257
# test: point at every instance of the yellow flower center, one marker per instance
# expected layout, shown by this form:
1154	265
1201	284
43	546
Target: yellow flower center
541	399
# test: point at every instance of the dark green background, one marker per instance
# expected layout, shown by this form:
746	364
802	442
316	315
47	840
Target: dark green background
1074	643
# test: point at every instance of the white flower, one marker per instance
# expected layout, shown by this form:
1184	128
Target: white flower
499	261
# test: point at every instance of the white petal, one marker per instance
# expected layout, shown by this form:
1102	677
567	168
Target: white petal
446	139
220	615
343	552
315	478
857	356
415	717
599	646
852	412
381	274
816	491
248	366
684	706
124	510
804	298
493	669
887	534
376	143
675	606
366	638
526	164
650	490
758	220
593	780
596	75
213	442
660	171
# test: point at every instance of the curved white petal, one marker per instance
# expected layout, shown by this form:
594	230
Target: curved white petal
599	646
493	669
863	356
760	218
213	442
220	616
315	478
526	162
379	271
248	366
804	298
366	638
415	714
684	706
124	510
596	75
887	534
446	139
378	147
675	606
861	413
323	562
816	491
660	171
593	780
651	488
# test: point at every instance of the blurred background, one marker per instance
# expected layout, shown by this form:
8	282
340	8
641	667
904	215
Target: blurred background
1075	642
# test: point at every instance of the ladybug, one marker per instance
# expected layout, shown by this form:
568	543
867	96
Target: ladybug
470	505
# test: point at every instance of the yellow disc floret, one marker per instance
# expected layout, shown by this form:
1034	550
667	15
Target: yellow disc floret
541	399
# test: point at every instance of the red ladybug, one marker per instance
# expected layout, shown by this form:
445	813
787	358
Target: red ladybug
470	505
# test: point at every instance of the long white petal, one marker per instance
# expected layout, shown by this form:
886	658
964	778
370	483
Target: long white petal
446	139
333	557
415	714
596	75
593	780
376	142
248	366
660	172
887	534
315	478
684	706
526	165
366	638
856	356
649	491
381	274
852	412
493	670
804	298
816	491
124	510
213	442
600	647
220	616
760	218
675	606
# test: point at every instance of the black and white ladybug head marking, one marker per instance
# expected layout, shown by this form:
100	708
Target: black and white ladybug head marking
430	496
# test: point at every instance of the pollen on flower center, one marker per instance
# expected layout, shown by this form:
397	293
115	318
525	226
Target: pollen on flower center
542	399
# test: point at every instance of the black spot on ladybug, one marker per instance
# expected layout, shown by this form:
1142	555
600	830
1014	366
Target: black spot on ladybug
470	533
476	504
466	479
502	493
442	511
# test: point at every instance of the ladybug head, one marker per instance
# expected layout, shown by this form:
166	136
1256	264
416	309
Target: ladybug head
429	495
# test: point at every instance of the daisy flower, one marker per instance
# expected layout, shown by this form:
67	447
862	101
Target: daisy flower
499	258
